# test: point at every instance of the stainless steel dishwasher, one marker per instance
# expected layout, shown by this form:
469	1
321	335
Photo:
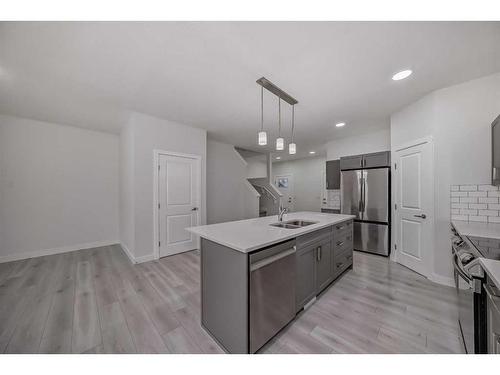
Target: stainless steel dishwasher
272	292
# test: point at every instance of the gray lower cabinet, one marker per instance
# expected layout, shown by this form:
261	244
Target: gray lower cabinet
321	257
324	262
306	275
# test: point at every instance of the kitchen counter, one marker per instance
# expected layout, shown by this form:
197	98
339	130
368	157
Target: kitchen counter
492	269
475	229
252	234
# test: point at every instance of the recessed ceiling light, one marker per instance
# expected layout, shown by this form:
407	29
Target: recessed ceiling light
401	75
312	152
340	124
278	157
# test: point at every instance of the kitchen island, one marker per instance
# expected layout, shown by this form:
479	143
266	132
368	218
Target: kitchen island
257	274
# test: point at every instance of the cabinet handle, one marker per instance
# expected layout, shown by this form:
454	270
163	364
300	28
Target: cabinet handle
340	227
340	243
318	253
339	265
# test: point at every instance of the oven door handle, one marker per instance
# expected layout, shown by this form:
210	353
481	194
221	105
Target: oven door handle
474	263
462	274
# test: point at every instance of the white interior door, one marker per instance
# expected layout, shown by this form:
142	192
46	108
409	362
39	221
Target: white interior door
415	206
284	183
179	202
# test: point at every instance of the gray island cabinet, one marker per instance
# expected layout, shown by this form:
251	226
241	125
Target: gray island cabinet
249	293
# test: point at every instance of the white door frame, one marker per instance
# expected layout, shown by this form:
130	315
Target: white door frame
156	186
430	217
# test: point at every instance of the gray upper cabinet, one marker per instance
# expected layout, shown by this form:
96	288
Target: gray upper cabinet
377	159
333	174
351	162
374	160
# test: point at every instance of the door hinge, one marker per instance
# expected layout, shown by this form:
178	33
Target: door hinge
395	206
395	166
395	247
159	243
158	166
158	206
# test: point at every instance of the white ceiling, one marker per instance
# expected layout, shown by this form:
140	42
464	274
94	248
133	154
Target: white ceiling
203	74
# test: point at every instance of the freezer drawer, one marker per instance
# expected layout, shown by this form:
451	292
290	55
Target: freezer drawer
373	238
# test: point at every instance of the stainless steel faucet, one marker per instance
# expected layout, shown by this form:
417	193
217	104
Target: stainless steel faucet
281	211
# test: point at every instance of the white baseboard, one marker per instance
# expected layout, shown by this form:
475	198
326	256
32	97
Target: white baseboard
134	260
57	250
443	280
127	251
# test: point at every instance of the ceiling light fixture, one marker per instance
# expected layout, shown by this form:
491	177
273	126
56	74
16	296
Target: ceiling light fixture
280	142
340	124
292	147
312	152
262	137
401	75
262	133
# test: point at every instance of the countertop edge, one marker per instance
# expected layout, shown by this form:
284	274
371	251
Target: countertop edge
492	269
305	230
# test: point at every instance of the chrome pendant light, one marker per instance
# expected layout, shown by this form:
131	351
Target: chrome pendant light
262	139
292	147
280	142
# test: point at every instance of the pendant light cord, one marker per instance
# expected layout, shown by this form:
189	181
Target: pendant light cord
262	108
293	119
279	116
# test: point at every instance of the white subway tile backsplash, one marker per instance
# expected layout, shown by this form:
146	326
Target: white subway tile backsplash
468	212
468	200
478	194
488	200
488	212
483	219
487	187
478	206
468	187
480	203
460	217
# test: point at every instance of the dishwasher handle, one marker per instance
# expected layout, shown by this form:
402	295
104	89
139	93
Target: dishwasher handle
273	258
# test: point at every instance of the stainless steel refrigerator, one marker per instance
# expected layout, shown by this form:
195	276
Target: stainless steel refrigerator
365	193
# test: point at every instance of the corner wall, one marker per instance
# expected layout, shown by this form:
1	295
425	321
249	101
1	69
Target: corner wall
229	194
459	119
58	188
142	135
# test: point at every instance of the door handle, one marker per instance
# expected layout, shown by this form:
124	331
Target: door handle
423	216
194	209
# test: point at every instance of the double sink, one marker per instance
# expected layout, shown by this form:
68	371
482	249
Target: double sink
293	224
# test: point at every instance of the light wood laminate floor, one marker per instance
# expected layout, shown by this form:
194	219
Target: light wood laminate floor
96	301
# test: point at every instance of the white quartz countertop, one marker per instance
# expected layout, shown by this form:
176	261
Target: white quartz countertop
492	268
474	229
253	234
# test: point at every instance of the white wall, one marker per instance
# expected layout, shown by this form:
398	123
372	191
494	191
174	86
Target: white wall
257	166
379	140
58	188
459	119
229	194
127	222
307	179
148	134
